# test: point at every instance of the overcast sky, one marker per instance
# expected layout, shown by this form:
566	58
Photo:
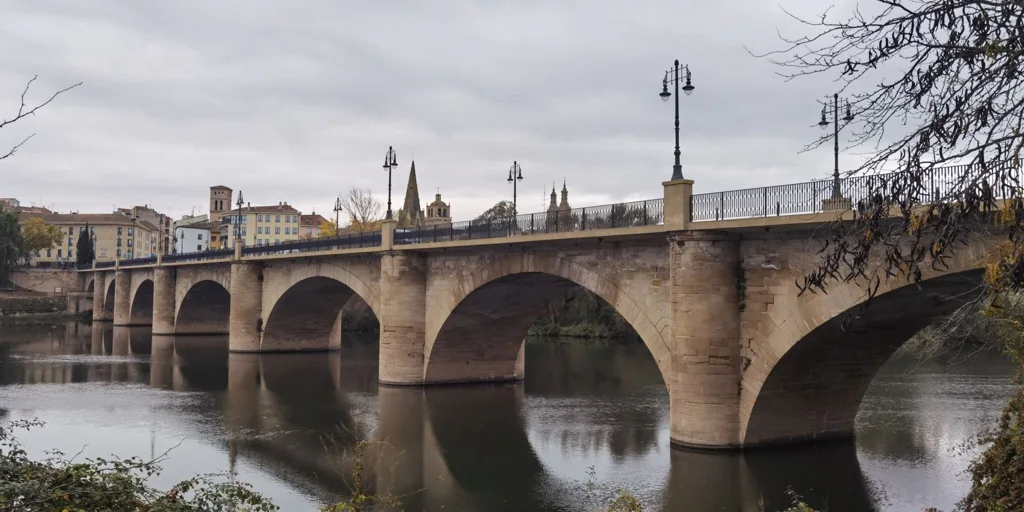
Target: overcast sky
299	100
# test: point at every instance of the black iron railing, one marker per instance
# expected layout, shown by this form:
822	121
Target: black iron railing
213	254
326	243
937	184
135	262
104	264
622	215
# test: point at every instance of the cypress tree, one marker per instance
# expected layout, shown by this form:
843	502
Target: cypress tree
86	252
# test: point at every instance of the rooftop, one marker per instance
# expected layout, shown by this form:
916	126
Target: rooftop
314	220
91	218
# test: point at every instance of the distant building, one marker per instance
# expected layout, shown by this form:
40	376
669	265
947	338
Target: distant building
309	225
186	220
559	213
260	225
15	205
191	237
161	221
115	235
438	212
220	204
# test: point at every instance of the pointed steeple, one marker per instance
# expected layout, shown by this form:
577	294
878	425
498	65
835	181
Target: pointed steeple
411	211
564	205
554	198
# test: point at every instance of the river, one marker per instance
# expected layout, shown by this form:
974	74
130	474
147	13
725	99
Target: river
590	418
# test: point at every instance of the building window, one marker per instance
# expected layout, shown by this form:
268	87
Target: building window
199	236
71	230
259	230
199	247
119	253
119	230
70	254
69	241
259	218
243	230
309	231
92	230
276	241
129	231
277	230
287	230
119	242
129	242
58	253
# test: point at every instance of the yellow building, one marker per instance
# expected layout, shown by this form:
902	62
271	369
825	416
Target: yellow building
261	225
115	235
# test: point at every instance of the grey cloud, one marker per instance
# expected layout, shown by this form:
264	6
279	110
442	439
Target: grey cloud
298	101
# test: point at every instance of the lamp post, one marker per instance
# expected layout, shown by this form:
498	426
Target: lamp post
131	251
337	210
677	169
823	124
238	217
390	162
515	175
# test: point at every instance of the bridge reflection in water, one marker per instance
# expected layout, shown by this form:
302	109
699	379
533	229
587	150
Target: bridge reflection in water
456	447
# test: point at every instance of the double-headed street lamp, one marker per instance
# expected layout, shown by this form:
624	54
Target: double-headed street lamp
836	193
515	175
677	169
238	217
337	210
390	162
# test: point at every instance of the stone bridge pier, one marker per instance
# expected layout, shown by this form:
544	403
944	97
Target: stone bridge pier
746	358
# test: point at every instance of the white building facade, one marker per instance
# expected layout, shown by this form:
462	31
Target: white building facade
192	237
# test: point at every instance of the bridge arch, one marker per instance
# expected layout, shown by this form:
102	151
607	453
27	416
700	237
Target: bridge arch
108	299
302	304
203	309
500	303
806	375
140	298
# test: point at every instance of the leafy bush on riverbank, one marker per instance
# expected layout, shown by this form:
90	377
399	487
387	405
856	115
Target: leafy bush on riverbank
997	475
64	484
32	305
581	314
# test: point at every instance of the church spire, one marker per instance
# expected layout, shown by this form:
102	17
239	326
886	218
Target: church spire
564	205
411	212
554	198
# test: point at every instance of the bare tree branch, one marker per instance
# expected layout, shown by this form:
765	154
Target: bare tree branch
24	110
932	83
363	209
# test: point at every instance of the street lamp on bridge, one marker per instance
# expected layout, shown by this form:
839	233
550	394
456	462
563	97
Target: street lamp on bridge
677	169
238	217
337	209
515	175
823	124
390	162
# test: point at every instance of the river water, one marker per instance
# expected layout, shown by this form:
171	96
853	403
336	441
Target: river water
590	418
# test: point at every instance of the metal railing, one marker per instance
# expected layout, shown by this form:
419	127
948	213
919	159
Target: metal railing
134	262
650	212
933	185
326	243
212	254
104	264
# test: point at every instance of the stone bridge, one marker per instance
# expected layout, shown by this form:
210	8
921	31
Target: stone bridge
746	359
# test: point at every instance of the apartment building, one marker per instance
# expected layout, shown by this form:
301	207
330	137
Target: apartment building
115	235
261	225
